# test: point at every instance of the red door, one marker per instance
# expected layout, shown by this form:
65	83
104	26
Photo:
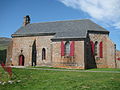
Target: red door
21	60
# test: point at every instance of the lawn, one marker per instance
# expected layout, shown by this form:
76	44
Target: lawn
29	79
95	69
3	47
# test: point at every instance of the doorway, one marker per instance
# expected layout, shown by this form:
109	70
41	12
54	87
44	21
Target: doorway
34	53
21	60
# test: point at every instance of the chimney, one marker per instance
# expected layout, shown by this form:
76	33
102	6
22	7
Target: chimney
26	20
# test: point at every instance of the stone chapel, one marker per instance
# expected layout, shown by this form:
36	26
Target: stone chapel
70	44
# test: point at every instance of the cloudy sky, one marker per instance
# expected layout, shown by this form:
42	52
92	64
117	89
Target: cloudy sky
107	11
103	12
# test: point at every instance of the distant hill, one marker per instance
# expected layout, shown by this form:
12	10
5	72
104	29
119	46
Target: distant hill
4	42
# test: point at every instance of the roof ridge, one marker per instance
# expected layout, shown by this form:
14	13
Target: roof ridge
61	21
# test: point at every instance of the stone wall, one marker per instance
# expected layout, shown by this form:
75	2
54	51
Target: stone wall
76	61
118	58
108	59
44	42
25	44
110	51
9	54
82	59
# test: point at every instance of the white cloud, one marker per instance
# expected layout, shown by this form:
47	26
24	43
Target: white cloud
117	25
107	11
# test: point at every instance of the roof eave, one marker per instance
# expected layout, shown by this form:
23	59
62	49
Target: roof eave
103	32
68	38
34	34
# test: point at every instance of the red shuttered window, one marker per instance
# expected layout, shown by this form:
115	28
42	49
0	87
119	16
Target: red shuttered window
72	48
118	59
101	49
62	48
92	47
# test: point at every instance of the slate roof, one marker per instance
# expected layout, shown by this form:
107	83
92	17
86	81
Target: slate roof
60	29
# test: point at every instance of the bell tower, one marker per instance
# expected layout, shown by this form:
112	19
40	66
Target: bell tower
26	20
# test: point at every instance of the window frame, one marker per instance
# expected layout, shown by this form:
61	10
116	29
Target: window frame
67	48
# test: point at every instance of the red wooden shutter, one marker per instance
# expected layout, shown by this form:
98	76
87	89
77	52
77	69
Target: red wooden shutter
118	58
92	45
62	48
72	48
101	49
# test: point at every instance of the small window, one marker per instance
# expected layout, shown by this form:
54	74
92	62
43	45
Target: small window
96	48
43	54
67	48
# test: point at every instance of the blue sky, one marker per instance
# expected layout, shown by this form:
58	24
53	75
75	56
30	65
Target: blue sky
103	12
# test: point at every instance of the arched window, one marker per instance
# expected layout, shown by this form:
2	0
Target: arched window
96	48
43	54
67	48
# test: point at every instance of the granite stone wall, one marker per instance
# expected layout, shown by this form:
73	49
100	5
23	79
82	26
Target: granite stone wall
108	59
118	59
82	58
76	61
23	45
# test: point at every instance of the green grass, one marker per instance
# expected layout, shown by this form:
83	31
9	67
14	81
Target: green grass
61	80
3	75
96	69
3	47
45	67
105	69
